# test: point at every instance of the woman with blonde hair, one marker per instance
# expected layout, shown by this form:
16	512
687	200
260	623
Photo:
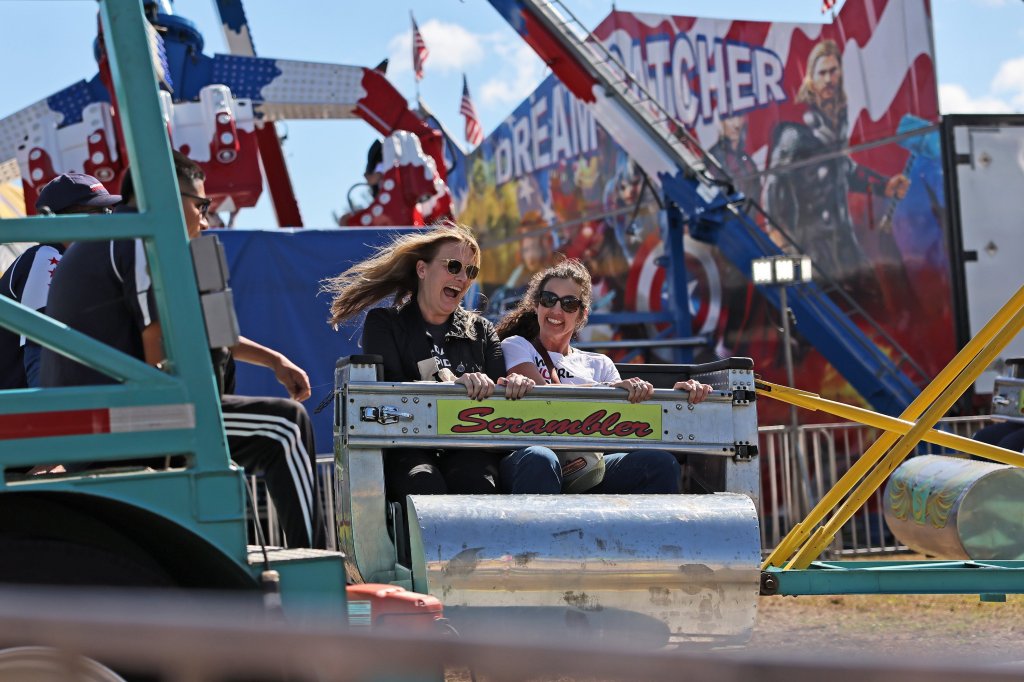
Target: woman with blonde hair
425	334
536	342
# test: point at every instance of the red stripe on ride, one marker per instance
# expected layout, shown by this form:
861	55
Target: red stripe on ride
48	424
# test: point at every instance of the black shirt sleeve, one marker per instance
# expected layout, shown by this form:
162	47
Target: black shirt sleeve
494	358
379	339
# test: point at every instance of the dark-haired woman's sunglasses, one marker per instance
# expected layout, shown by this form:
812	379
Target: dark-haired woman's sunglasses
570	304
455	267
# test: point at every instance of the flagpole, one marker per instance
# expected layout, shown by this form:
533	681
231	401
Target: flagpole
415	76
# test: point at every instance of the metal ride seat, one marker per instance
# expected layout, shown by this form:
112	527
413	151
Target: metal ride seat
661	567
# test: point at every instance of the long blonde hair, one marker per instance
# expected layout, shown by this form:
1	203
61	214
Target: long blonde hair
807	93
522	321
391	271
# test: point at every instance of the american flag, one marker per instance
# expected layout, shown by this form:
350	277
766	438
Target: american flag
419	49
474	133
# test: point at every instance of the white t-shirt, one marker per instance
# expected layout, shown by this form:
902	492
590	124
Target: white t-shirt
578	367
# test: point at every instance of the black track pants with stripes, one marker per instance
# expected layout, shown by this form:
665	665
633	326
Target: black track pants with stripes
273	437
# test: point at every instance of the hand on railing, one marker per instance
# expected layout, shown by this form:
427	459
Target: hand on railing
698	391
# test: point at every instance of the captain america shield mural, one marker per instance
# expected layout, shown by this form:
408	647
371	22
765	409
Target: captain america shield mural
647	289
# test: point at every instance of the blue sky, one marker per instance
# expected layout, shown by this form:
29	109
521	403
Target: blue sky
48	45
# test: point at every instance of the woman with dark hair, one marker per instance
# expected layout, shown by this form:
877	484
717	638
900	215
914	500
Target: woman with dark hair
426	335
536	342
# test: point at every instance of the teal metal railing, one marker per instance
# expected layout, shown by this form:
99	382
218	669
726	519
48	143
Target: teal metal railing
186	386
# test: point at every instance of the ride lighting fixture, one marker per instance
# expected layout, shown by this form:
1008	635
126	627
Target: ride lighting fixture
781	269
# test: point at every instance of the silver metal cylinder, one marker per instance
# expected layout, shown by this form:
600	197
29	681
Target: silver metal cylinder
953	508
656	567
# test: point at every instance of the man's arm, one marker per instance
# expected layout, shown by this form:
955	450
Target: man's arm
153	344
292	377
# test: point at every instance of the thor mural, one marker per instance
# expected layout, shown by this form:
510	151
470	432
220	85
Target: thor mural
811	199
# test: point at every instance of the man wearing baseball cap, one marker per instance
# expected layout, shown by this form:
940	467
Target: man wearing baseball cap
27	281
76	193
103	289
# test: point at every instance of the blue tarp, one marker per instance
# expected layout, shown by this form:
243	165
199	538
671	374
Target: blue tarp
275	276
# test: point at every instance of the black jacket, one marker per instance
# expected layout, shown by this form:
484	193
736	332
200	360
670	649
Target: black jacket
400	335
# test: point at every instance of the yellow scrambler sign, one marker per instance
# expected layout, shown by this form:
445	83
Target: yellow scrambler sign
549	418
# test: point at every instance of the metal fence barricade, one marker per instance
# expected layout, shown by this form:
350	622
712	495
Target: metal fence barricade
830	450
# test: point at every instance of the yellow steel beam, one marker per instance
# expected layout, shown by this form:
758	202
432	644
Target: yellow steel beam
799	533
814	402
906	443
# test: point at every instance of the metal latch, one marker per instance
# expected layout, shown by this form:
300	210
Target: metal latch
745	451
742	396
385	414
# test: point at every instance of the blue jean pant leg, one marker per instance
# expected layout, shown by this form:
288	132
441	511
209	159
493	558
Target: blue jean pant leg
640	471
531	470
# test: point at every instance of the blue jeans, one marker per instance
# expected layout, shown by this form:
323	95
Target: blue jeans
536	470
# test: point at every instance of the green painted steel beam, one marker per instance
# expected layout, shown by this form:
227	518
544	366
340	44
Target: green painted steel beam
156	187
69	228
210	504
31	400
897	577
63	339
149	395
98	448
208	496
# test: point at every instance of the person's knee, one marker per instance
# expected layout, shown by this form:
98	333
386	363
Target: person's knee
535	469
422	479
663	472
412	473
660	472
537	456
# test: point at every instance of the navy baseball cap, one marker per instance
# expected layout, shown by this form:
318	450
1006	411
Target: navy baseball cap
75	189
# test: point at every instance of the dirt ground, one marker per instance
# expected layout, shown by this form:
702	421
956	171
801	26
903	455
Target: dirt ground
955	627
932	629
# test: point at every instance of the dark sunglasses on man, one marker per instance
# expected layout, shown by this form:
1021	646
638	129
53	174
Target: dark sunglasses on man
570	304
202	203
455	267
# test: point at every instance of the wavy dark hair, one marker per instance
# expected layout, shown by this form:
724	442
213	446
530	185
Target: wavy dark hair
522	321
391	270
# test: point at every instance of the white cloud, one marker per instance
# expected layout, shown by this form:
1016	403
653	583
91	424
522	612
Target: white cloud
953	99
1005	93
523	71
1009	79
452	48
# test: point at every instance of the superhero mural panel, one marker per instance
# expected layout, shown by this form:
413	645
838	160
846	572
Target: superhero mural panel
830	127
